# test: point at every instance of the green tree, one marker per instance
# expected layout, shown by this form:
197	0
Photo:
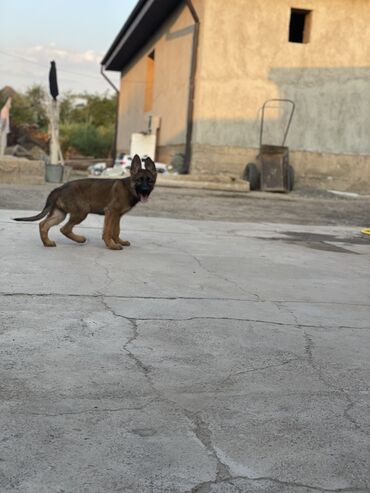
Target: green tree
101	109
66	108
28	107
88	123
87	139
36	98
97	110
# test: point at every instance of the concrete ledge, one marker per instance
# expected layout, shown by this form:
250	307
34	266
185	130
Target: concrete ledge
14	170
220	182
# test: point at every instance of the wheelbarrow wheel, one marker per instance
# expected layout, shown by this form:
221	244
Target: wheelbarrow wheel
252	175
290	178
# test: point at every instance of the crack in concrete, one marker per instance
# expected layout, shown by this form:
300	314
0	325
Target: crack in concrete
92	410
221	277
206	486
284	309
134	328
306	302
150	319
135	332
349	417
200	427
125	297
109	279
137	361
206	298
215	274
204	435
309	350
238	319
260	368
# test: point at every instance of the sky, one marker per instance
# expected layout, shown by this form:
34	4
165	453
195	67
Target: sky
76	34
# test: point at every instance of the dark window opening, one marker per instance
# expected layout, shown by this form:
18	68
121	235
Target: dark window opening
299	27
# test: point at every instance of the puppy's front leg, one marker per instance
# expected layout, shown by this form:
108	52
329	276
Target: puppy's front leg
110	224
116	232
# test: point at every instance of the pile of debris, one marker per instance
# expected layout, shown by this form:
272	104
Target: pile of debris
27	141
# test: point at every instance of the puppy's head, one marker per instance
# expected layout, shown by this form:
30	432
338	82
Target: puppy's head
142	180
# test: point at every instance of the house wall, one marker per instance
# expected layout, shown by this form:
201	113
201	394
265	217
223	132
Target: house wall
245	58
172	45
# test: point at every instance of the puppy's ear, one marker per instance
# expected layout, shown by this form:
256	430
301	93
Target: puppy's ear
135	165
150	166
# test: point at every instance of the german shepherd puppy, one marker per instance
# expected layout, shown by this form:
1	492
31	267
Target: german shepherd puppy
109	197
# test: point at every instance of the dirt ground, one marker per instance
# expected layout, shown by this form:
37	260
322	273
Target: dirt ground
305	206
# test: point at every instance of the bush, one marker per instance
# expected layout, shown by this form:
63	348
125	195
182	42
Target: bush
88	128
87	139
27	108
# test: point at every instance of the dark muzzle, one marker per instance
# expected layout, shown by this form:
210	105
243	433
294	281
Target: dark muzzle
143	193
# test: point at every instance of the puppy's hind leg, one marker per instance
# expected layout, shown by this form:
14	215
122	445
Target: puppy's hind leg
56	216
74	219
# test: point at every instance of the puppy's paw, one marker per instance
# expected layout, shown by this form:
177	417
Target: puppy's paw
115	246
124	242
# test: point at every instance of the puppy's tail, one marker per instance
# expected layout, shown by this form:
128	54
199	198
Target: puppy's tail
45	210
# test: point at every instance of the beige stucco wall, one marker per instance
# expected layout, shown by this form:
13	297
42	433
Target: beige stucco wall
246	58
131	105
172	46
346	172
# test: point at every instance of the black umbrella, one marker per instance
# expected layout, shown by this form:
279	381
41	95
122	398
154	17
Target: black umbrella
53	83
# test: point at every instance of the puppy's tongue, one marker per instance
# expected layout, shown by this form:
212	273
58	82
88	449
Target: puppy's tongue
144	198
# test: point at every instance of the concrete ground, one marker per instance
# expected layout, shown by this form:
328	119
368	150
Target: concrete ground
208	357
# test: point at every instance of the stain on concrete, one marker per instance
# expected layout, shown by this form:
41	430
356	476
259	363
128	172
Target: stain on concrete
319	241
144	432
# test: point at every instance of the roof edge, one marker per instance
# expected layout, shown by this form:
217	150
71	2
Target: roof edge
124	28
145	19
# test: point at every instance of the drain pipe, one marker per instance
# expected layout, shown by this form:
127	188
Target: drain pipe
193	67
114	153
108	79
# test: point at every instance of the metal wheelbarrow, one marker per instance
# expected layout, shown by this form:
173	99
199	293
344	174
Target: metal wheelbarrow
272	172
